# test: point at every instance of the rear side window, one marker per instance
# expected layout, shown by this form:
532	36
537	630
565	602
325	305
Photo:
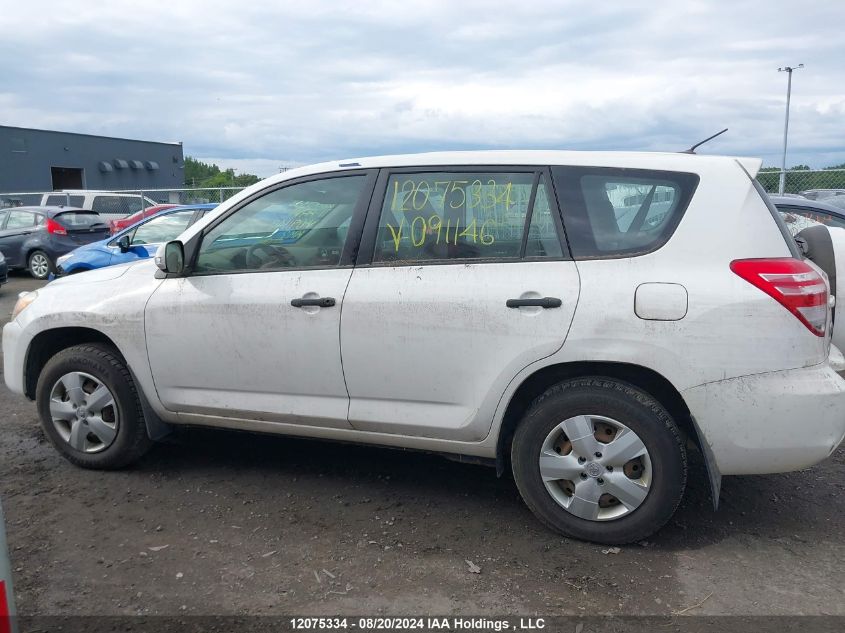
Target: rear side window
62	200
78	219
116	204
621	212
438	216
20	220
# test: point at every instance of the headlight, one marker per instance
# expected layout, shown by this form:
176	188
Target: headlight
61	260
24	299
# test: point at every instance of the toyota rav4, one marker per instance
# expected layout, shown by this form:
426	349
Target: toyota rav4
582	319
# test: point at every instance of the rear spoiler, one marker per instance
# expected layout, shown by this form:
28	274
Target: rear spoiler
750	166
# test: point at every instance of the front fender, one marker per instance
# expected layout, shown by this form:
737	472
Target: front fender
111	302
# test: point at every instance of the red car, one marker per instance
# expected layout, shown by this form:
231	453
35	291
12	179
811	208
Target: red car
129	220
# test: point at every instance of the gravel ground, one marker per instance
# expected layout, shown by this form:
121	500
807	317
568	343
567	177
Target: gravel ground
217	522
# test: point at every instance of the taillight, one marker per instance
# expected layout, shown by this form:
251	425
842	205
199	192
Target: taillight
794	284
5	610
55	228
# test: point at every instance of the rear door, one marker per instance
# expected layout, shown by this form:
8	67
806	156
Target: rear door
18	226
463	280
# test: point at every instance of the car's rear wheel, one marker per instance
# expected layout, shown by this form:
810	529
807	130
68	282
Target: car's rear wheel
40	265
600	460
89	408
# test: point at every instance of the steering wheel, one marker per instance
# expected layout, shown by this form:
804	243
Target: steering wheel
279	257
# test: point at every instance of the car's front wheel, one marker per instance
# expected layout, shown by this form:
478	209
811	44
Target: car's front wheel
600	460
40	265
89	408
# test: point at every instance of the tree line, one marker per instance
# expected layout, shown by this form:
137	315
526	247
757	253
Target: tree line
207	175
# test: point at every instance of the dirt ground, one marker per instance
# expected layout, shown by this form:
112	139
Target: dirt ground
218	522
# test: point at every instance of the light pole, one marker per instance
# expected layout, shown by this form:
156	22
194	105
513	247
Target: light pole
788	70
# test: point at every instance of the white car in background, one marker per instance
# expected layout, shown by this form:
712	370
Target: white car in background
578	318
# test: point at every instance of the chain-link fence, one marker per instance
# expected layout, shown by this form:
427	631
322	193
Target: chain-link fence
114	205
812	183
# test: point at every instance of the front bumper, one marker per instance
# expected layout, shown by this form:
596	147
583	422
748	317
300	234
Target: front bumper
773	422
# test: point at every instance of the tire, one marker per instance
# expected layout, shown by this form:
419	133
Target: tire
40	265
107	437
651	484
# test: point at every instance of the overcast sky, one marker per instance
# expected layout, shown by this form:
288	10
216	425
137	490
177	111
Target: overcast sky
257	85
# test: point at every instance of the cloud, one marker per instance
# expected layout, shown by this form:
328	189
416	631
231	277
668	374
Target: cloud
288	83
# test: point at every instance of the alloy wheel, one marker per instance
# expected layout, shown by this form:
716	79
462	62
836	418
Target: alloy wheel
39	265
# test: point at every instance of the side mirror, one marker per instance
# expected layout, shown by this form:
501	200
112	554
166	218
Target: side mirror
123	244
170	257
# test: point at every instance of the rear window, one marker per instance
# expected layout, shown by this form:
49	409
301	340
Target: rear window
621	212
78	219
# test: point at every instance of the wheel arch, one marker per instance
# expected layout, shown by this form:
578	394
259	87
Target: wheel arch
650	381
50	342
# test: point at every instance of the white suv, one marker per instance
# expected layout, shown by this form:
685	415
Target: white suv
109	204
581	318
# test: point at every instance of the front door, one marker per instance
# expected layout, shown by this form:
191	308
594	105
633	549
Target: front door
253	332
469	283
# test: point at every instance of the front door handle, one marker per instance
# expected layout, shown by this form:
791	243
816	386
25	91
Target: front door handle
544	302
320	302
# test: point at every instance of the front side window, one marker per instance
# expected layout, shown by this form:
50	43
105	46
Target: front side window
621	212
465	215
299	226
162	229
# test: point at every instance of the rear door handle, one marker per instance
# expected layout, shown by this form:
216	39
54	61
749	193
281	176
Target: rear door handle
320	302
545	302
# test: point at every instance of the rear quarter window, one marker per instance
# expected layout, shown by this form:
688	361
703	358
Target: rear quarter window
610	212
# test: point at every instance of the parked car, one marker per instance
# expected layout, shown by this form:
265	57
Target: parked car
7	595
490	305
107	203
4	270
136	242
115	226
799	213
823	194
33	237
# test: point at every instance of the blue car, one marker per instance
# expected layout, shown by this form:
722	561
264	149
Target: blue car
139	241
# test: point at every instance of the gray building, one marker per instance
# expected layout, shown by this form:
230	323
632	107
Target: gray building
43	160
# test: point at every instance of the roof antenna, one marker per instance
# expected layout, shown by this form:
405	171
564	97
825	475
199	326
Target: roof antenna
692	149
